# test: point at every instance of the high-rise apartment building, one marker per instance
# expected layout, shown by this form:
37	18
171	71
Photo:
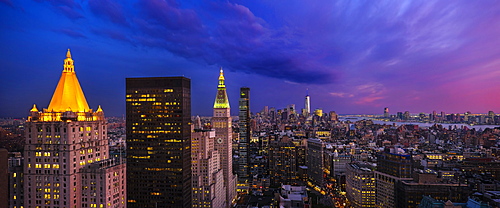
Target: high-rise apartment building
63	143
245	134
158	142
222	124
208	178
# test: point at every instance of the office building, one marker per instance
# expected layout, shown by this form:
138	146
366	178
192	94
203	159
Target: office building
158	141
360	184
222	124
63	142
245	134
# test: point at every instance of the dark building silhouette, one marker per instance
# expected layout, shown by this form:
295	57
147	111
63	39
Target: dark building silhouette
245	134
4	178
158	142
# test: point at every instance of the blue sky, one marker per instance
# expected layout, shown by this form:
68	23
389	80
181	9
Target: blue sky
353	56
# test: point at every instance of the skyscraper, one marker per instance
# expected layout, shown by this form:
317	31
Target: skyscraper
158	141
66	153
245	134
222	124
307	105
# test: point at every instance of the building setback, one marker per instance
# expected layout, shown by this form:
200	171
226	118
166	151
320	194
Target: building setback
158	141
208	178
62	143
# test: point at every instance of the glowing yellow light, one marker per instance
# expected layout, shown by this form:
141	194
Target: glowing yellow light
68	93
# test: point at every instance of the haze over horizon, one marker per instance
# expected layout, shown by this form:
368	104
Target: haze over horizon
354	57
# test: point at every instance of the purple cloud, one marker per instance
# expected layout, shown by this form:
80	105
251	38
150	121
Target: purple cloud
108	9
70	32
7	2
66	7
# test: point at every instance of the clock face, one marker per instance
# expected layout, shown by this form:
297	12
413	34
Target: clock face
219	140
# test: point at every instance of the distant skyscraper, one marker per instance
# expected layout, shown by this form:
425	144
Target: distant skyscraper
222	123
158	142
386	112
245	134
66	153
307	105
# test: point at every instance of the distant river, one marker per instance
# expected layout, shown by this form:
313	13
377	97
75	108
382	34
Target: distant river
446	125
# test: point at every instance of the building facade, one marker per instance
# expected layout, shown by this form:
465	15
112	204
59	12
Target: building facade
208	177
158	142
315	161
392	168
62	141
360	185
245	134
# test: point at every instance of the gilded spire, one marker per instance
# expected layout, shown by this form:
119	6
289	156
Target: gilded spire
34	109
221	78
68	63
221	100
68	94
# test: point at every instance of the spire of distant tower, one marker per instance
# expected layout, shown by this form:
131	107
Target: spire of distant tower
307	103
68	93
221	100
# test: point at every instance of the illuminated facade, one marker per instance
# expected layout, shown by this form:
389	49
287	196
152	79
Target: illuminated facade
360	185
63	141
222	124
283	162
245	134
158	142
208	177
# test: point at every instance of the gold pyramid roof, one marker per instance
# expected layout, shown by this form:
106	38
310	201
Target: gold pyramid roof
221	100
68	95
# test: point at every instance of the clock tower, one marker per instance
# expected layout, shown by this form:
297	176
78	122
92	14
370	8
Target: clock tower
222	124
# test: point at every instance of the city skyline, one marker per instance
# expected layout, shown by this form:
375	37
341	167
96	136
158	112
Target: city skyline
354	58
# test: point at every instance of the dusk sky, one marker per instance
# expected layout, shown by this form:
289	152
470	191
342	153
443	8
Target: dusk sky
355	57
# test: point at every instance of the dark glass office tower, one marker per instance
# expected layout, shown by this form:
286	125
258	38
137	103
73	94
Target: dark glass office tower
245	134
158	142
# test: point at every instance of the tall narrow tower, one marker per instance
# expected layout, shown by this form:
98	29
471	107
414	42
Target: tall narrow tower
307	104
66	153
245	134
222	124
159	141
